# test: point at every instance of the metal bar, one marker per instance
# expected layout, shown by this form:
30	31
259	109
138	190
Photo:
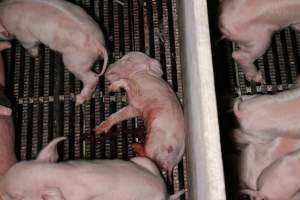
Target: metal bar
25	154
36	109
206	180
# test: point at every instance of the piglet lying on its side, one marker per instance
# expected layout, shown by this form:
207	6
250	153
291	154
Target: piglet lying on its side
83	180
251	23
62	26
280	180
152	98
255	157
265	117
7	154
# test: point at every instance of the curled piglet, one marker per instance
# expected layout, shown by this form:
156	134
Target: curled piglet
280	180
251	24
152	98
255	156
116	179
62	26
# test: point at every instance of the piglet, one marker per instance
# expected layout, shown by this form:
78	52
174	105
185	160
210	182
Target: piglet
251	24
256	156
280	180
152	98
7	151
62	26
266	117
7	154
45	179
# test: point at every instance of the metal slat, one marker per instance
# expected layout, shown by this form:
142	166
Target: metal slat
291	54
98	102
87	109
281	60
36	109
128	46
241	81
67	106
166	42
78	145
117	55
25	131
107	23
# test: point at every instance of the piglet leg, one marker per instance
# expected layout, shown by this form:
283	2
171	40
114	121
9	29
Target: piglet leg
79	63
90	83
249	51
251	73
123	114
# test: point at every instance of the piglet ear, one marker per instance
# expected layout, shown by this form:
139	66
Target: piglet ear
49	153
5	111
52	194
154	68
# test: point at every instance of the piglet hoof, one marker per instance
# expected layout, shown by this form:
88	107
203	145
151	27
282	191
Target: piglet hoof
86	93
79	100
34	52
256	78
259	78
113	88
102	128
138	149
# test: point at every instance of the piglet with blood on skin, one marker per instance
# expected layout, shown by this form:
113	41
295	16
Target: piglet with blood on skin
152	98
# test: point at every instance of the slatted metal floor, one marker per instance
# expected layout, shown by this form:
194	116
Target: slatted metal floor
42	91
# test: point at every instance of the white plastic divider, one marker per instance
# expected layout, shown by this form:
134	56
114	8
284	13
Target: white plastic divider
205	168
